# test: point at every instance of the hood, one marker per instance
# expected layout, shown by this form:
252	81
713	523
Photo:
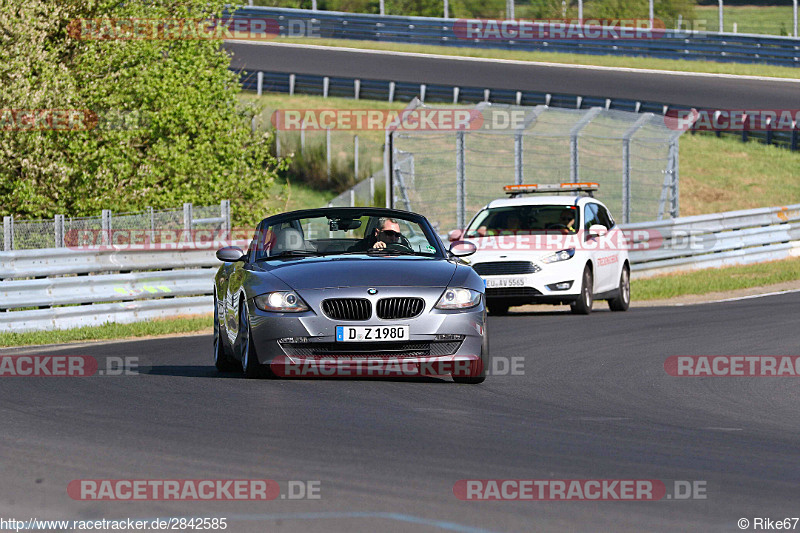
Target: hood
361	271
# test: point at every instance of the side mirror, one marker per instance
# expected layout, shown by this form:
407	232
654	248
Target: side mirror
463	248
230	254
454	235
597	230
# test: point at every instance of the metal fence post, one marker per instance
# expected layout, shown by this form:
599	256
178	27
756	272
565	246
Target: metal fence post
328	151
187	216
105	224
58	224
259	83
352	198
518	158
573	142
372	190
355	155
225	213
626	165
675	162
292	79
326	83
8	233
461	200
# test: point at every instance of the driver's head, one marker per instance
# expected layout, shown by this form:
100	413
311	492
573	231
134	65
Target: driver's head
388	230
567	217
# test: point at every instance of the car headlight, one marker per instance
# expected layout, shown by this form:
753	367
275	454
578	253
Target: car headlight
458	299
280	302
561	255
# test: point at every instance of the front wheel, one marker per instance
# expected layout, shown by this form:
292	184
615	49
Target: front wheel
623	300
583	305
250	366
222	359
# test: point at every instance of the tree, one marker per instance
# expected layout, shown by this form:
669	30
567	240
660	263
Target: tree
161	120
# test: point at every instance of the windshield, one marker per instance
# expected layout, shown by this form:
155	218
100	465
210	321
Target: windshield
333	234
522	219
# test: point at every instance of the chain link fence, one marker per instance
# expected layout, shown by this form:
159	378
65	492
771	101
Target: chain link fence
449	175
62	231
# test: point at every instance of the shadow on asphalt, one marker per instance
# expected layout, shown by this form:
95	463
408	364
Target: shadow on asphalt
194	371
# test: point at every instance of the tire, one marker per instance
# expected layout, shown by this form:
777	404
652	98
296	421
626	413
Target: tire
497	308
623	301
250	366
583	305
480	378
222	358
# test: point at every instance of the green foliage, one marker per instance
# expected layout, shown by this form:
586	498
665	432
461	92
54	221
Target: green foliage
191	140
310	166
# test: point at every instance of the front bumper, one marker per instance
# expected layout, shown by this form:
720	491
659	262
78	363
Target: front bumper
311	336
537	287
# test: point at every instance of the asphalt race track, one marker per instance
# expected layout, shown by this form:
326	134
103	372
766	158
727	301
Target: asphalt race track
718	92
593	402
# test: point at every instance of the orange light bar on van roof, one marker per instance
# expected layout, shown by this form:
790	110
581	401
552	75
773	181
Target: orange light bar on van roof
550	187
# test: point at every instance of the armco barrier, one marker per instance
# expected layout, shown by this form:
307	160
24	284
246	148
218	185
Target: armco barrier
179	281
720	239
674	44
94	286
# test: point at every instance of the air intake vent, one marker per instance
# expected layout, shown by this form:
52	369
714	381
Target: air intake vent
502	268
398	308
347	308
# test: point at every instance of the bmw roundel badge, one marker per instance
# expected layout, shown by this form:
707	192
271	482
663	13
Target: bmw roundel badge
372	291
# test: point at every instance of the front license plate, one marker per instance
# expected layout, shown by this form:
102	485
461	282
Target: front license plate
372	333
493	283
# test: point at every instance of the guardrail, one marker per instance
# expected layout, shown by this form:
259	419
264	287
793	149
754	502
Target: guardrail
74	288
98	286
285	82
720	239
674	44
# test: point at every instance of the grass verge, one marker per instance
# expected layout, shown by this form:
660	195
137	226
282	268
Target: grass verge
770	20
715	280
555	57
107	331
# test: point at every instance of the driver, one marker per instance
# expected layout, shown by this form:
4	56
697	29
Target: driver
387	231
567	219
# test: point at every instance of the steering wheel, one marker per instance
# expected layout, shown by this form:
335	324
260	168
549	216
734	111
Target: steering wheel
557	226
398	247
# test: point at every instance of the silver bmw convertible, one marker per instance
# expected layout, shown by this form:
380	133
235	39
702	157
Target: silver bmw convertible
350	292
